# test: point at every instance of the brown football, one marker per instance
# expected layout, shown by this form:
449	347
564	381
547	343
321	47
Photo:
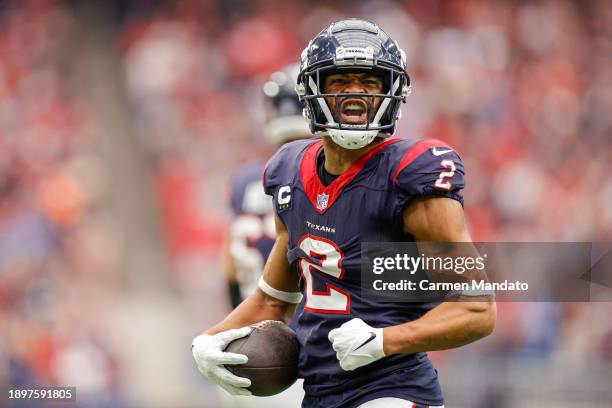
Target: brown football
272	349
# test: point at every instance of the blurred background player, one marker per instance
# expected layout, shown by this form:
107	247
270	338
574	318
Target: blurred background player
252	231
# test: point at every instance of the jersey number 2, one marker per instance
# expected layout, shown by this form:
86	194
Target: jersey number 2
441	182
328	262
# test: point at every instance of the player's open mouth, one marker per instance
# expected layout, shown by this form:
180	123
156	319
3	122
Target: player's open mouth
353	111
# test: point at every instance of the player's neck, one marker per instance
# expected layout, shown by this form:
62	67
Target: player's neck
338	159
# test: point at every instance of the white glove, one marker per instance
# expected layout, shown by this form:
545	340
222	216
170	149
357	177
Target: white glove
208	353
356	344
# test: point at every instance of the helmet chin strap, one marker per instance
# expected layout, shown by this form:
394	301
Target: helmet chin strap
352	138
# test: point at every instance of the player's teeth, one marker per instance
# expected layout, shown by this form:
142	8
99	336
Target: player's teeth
352	106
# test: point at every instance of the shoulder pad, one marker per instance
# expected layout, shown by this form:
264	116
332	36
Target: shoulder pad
283	167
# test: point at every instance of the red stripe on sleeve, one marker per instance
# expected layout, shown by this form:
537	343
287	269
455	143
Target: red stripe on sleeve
414	152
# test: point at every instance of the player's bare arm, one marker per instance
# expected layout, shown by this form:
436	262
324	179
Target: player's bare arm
209	349
224	353
260	305
451	324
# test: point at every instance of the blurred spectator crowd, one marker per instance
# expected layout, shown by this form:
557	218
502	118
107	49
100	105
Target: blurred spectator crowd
57	263
522	90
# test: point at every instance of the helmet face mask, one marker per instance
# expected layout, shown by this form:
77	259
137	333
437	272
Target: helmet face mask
353	46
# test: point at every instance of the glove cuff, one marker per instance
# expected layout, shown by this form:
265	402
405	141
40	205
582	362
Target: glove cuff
379	350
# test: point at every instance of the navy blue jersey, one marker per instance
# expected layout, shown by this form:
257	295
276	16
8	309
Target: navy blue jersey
252	231
326	226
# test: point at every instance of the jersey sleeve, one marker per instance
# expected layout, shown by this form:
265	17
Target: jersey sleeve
429	168
273	171
283	168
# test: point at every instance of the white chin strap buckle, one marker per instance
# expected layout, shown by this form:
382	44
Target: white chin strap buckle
352	139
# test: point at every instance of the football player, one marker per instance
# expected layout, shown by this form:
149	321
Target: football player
355	184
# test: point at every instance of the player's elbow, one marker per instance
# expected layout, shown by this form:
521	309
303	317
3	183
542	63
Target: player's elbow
273	308
484	315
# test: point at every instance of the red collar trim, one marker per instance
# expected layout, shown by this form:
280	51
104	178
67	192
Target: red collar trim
323	197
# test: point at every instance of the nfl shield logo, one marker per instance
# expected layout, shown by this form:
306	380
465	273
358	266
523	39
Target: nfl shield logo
322	201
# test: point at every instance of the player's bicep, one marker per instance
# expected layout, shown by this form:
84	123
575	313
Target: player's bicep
277	271
435	219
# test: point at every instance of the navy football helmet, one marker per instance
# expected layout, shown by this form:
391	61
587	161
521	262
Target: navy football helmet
284	119
353	45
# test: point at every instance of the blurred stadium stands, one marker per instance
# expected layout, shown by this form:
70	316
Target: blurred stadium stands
522	90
